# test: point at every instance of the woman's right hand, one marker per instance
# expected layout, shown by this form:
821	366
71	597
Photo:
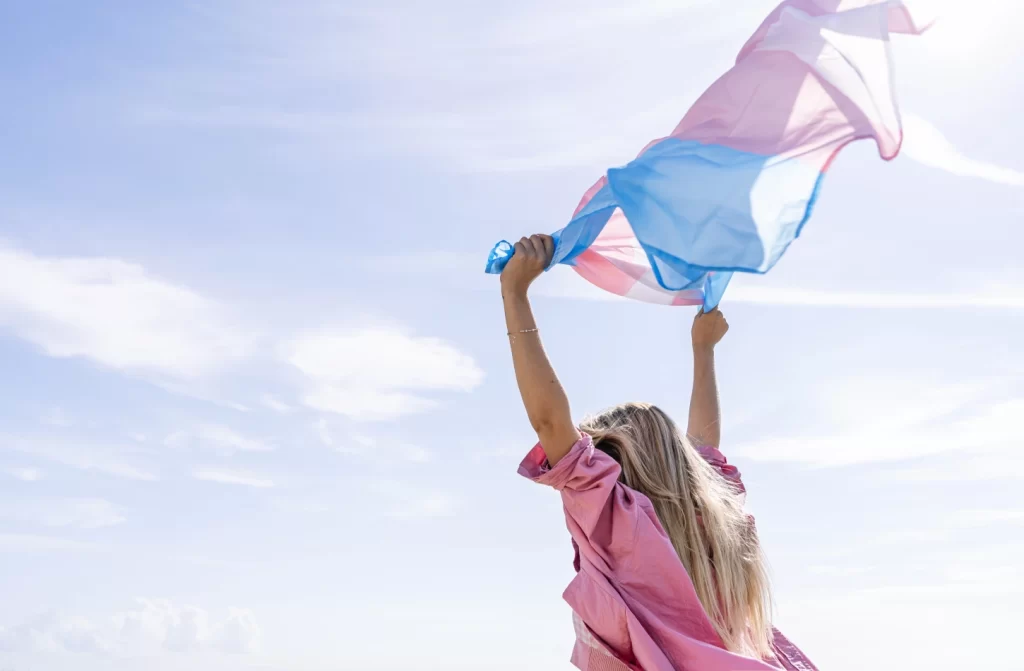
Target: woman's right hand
531	257
708	329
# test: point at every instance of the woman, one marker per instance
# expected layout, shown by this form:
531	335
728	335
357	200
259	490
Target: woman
670	575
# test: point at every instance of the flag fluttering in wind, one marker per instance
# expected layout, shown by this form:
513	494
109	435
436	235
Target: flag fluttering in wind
737	179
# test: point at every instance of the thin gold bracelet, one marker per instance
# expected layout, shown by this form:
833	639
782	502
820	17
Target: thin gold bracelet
512	336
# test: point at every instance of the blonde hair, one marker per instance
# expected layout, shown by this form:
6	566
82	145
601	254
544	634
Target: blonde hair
703	516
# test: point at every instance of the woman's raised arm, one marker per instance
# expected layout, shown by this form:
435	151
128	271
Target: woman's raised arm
543	397
705	425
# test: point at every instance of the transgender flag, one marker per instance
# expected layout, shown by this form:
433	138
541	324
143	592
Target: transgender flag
735	182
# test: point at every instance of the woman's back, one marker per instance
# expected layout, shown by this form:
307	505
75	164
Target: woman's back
633	602
700	509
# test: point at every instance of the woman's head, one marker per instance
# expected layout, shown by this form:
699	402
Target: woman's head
703	516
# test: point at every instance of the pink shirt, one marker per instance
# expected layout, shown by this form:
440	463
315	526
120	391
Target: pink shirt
634	606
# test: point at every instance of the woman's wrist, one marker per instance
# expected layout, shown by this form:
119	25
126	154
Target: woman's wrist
510	290
701	350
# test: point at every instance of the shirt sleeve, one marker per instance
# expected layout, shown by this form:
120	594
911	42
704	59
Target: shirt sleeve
584	467
601	513
727	470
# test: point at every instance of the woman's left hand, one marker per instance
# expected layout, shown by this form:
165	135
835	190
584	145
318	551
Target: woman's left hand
532	255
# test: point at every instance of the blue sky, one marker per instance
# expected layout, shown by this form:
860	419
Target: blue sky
257	409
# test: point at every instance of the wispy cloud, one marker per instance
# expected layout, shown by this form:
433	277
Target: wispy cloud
231	477
301	505
366	447
755	290
65	512
973	518
358	444
905	618
531	101
276	404
409	502
433	261
466	270
838	571
32	543
323	432
415	453
121	461
25	474
888	419
115	313
151	627
56	417
216	437
374	374
965	466
997	298
925	144
371	405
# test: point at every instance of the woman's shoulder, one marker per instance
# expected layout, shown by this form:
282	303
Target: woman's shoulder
583	467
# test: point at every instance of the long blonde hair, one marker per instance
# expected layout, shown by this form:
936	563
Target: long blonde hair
703	516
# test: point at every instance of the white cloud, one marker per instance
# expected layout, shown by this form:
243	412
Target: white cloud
905	537
507	450
114	313
233	478
972	588
925	144
888	419
563	282
366	405
301	505
415	454
358	445
973	464
114	460
365	447
375	374
905	621
49	633
153	626
384	358
430	261
971	518
323	432
216	437
407	502
560	116
275	404
364	442
56	417
26	474
996	298
239	632
839	571
886	402
67	512
34	543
